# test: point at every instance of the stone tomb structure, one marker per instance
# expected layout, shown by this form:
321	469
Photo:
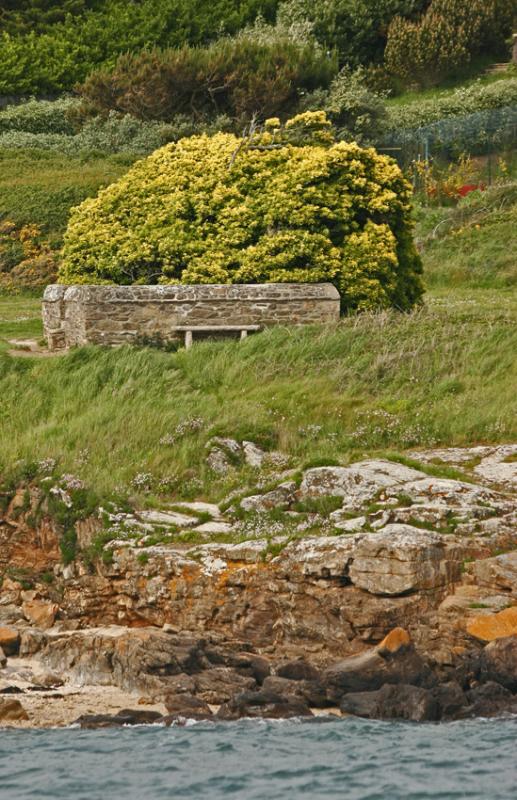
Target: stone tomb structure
115	315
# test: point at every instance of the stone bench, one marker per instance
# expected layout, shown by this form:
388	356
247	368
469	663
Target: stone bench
190	330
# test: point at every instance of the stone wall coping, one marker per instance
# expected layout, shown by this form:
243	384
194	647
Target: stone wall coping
173	293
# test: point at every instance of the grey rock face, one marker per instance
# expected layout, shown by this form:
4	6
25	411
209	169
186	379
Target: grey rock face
402	558
358	483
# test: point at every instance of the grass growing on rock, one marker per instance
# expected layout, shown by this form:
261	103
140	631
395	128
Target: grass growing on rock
443	375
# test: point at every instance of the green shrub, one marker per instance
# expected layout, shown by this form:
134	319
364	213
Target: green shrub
461	102
53	58
355	28
282	205
355	110
39	116
446	37
241	76
47	125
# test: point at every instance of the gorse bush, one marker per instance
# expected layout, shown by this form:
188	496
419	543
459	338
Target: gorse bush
445	39
238	76
286	204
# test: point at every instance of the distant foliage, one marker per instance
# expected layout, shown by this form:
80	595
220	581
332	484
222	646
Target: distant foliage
461	102
286	203
40	116
26	259
356	29
238	77
41	58
357	112
446	38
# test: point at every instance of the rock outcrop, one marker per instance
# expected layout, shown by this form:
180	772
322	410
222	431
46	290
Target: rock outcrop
282	600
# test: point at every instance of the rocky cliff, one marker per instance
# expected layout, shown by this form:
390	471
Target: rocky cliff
200	601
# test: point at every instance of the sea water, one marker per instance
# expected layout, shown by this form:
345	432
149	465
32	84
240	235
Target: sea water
254	760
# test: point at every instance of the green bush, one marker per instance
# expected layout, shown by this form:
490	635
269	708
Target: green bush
40	116
357	29
355	110
63	54
239	76
460	103
283	205
446	38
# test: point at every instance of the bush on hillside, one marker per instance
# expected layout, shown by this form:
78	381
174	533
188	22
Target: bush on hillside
446	38
357	112
459	103
40	116
284	204
238	77
357	29
53	58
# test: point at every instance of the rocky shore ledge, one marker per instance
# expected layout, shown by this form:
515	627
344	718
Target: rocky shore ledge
380	589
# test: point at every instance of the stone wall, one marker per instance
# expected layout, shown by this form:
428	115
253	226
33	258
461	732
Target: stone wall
114	315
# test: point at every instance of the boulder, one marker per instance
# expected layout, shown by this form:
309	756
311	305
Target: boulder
499	662
499	572
313	692
40	613
125	717
451	700
401	559
358	483
299	670
451	492
219	684
319	557
393	702
11	711
253	455
3	658
263	705
488	627
281	497
185	706
9	641
393	661
490	699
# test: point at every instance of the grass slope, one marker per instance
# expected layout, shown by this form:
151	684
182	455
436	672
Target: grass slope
444	375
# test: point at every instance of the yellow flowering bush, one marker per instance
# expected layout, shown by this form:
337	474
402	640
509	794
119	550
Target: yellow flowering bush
283	204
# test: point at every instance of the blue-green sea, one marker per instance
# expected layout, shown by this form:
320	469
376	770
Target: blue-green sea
254	760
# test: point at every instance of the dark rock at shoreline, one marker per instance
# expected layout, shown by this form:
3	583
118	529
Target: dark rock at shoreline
499	662
299	670
263	705
185	706
11	711
490	699
451	700
312	692
125	717
393	661
391	701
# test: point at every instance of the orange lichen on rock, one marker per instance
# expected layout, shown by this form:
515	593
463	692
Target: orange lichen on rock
394	641
488	627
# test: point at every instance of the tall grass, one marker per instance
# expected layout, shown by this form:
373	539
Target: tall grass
446	374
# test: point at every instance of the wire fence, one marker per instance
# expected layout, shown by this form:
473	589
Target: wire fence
487	138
